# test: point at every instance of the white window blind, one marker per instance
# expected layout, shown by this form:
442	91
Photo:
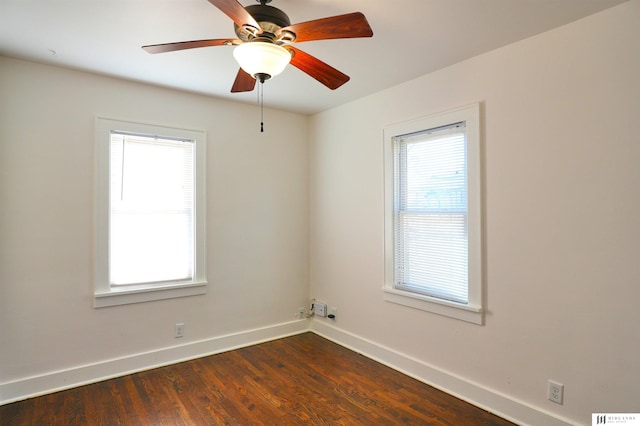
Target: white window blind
430	214
151	227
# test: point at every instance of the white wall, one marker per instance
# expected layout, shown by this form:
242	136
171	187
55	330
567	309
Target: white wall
257	247
562	227
562	213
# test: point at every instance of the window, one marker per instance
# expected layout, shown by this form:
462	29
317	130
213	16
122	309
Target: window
150	212
433	220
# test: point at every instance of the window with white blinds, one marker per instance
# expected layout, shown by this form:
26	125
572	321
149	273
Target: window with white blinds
430	213
150	213
433	248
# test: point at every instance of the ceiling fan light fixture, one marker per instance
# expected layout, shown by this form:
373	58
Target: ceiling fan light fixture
262	58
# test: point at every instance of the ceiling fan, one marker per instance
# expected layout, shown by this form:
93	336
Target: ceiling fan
264	42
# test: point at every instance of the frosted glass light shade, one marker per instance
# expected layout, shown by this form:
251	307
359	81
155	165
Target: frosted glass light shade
262	58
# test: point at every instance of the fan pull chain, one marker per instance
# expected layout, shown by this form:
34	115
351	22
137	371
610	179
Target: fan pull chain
261	90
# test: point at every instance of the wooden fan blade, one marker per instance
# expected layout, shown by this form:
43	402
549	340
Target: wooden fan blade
351	25
325	74
181	45
243	83
234	10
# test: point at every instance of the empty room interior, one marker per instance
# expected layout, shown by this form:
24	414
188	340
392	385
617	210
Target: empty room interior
300	220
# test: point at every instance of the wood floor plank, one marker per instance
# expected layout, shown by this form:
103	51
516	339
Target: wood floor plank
302	379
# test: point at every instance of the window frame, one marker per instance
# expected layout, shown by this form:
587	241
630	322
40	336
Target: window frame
473	310
104	294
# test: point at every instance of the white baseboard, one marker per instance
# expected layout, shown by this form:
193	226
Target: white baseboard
487	399
81	375
502	405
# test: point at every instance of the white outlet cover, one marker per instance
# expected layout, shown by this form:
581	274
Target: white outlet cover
179	331
555	392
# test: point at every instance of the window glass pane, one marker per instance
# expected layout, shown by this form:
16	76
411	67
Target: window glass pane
151	221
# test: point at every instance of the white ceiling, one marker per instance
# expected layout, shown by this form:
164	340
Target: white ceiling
411	38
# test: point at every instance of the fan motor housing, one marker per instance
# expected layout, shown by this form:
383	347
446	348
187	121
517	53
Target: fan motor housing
270	18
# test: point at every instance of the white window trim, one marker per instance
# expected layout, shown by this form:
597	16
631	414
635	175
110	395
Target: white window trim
473	311
103	293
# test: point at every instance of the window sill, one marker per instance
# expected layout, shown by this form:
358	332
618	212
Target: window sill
469	313
139	294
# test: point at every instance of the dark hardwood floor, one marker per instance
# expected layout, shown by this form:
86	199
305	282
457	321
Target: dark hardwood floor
303	379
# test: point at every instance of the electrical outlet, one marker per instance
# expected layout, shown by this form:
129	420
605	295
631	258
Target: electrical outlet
179	331
333	312
555	392
300	314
